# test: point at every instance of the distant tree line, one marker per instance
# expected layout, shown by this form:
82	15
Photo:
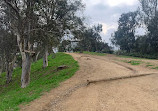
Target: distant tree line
90	40
138	45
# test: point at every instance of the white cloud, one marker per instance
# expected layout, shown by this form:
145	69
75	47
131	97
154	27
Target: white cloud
111	2
119	2
107	13
107	27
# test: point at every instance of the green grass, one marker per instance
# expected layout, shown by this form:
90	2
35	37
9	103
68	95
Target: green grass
94	53
42	80
155	67
132	62
149	65
122	56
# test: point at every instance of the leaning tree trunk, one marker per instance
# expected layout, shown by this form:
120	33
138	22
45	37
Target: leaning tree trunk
45	58
26	60
37	56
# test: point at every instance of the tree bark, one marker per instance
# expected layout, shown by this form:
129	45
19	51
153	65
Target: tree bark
1	66
37	56
9	72
26	61
45	57
26	69
1	71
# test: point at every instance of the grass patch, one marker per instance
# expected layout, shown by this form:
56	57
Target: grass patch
94	53
155	68
149	65
132	62
42	80
122	56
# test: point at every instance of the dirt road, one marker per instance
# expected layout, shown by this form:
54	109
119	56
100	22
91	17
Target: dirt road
130	94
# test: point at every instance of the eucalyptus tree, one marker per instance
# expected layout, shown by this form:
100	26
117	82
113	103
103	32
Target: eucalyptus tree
8	47
90	38
148	10
124	37
8	50
56	17
149	15
24	25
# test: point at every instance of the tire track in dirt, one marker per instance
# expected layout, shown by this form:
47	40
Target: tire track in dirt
118	63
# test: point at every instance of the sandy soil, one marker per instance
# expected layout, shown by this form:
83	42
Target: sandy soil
134	94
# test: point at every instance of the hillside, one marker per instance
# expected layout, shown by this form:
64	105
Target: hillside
42	80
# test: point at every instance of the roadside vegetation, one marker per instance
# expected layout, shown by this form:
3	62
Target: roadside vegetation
42	80
124	56
136	55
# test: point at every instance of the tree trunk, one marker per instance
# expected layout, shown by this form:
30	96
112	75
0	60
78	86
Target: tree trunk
37	56
9	72
26	69
1	71
1	66
45	58
26	61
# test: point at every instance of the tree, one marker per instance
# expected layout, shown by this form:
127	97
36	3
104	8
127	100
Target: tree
57	16
90	38
8	53
149	10
124	37
41	23
149	13
24	25
8	47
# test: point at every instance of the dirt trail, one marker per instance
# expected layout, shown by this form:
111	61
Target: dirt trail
132	94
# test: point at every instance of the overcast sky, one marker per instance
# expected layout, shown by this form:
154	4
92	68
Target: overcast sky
107	13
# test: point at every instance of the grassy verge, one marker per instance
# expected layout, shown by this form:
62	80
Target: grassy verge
94	53
151	57
132	62
11	96
122	56
155	67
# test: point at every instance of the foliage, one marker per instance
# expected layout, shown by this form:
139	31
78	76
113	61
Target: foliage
144	46
136	55
124	37
91	40
41	81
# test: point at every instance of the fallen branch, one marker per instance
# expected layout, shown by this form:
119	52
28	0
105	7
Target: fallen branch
118	78
62	67
31	52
